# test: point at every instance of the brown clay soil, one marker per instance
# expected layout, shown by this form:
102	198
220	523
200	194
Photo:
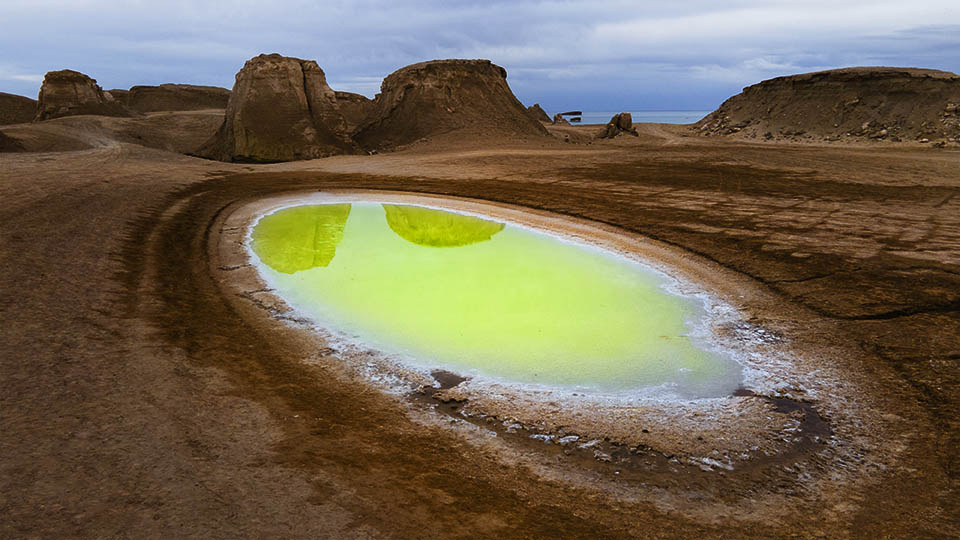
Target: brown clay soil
138	400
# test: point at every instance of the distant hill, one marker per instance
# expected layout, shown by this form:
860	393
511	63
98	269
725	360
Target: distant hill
16	109
861	103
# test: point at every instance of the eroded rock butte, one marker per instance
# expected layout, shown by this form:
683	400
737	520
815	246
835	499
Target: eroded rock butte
281	109
69	93
442	96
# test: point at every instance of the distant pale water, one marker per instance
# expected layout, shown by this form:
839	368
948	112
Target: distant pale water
445	290
656	117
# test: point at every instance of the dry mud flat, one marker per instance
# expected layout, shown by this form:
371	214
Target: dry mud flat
141	398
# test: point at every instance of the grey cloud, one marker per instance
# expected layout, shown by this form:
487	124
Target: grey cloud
611	54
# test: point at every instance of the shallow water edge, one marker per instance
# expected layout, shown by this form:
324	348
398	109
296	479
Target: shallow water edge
545	311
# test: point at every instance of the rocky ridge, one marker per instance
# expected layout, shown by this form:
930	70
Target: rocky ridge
172	97
864	103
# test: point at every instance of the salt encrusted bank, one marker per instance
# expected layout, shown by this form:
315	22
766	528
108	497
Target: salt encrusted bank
786	390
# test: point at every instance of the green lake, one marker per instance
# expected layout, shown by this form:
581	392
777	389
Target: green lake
487	299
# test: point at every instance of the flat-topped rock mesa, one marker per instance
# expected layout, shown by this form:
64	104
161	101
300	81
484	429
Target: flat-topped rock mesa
172	97
70	93
882	103
280	109
443	96
355	108
16	109
538	113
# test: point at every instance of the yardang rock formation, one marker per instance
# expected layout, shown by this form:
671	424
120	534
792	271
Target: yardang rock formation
68	93
897	104
443	96
620	123
281	109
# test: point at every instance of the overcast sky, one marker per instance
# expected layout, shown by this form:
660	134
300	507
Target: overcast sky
600	55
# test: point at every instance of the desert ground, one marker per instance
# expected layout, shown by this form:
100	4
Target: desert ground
139	399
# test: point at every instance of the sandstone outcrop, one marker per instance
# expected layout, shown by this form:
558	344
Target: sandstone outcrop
280	109
880	103
69	93
559	120
9	144
174	97
538	113
354	107
469	97
119	95
620	123
16	109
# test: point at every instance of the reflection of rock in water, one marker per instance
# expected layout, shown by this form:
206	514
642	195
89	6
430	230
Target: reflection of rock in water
300	238
436	228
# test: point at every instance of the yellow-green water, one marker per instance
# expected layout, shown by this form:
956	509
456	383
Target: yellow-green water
474	296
